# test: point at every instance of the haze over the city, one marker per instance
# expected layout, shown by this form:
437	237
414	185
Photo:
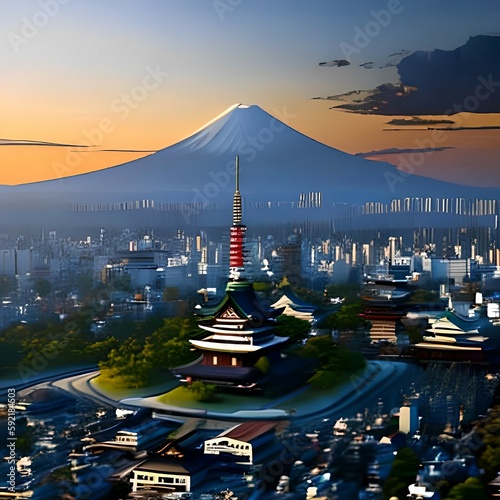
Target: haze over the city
88	85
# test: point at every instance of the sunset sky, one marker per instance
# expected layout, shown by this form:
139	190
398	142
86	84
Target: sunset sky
87	84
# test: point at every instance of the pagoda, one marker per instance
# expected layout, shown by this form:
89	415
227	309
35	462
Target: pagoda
240	330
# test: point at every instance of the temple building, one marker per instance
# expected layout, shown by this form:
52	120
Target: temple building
455	337
295	306
241	341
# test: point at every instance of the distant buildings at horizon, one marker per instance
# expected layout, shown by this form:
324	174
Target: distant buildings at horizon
457	206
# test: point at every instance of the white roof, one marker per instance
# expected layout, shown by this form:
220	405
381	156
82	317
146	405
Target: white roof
426	345
208	345
235	332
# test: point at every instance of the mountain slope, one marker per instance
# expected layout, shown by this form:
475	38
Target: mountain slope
277	163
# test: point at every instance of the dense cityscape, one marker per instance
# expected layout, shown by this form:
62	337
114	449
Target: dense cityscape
404	335
249	250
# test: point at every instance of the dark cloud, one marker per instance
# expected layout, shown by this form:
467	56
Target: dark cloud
437	82
27	142
416	120
125	150
335	62
356	96
397	151
368	101
453	129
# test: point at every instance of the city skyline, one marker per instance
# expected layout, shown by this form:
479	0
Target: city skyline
126	79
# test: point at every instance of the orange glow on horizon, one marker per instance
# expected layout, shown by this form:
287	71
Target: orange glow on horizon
347	132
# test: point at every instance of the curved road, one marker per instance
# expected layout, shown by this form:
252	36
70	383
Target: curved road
394	379
384	380
42	379
79	385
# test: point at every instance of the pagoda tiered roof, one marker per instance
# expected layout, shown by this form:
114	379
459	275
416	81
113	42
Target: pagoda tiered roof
451	332
209	344
239	303
295	306
240	328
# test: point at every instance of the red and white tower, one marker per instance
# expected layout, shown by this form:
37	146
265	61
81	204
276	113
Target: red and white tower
240	330
237	233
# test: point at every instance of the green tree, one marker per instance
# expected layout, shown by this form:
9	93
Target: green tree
126	365
471	489
294	328
101	349
176	352
347	317
335	363
169	345
403	473
489	431
202	390
135	360
348	291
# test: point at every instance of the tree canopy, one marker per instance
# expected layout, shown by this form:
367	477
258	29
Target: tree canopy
335	363
294	328
134	362
347	317
403	473
471	489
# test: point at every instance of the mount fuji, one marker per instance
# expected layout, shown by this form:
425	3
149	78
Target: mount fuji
278	164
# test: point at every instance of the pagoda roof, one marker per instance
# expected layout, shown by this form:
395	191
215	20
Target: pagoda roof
241	297
429	345
457	324
209	344
293	300
233	332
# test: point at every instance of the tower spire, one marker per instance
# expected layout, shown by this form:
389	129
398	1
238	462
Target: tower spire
237	209
237	237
